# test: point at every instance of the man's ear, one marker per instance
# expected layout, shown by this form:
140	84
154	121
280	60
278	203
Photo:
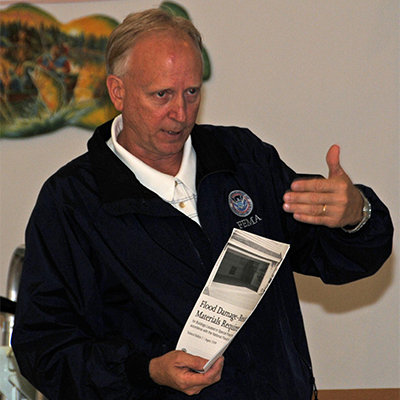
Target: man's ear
116	90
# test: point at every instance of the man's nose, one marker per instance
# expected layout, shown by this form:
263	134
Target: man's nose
178	110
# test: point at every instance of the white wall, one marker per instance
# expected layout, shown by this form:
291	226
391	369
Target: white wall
302	75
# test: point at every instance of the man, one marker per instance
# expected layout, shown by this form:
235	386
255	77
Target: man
122	240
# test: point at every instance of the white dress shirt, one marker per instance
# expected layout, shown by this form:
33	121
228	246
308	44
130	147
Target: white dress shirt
179	191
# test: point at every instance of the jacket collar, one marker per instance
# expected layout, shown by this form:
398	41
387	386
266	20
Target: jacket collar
211	154
117	182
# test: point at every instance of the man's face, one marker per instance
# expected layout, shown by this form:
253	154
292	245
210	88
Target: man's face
159	98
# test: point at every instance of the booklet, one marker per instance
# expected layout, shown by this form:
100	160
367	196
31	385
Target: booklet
240	277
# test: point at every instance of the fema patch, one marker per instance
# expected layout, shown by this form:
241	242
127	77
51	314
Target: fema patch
240	203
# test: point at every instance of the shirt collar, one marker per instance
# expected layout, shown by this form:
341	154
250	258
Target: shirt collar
158	182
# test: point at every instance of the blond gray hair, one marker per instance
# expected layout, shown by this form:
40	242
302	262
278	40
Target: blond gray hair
125	35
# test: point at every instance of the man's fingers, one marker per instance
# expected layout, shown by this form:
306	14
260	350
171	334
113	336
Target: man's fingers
307	197
176	369
192	362
194	383
311	185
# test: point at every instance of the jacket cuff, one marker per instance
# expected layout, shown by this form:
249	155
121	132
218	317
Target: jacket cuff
137	371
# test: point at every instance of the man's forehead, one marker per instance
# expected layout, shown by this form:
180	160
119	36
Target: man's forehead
159	54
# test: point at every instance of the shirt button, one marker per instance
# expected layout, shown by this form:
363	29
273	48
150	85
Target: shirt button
182	204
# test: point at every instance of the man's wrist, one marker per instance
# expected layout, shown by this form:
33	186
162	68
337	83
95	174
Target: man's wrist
366	211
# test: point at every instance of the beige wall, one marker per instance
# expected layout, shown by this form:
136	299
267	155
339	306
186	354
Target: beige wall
302	75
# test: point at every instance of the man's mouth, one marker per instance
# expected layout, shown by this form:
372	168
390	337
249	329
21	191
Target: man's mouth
174	133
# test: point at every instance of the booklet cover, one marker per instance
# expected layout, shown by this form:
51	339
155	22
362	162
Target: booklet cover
240	277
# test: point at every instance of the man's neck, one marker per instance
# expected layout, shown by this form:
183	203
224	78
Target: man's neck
169	165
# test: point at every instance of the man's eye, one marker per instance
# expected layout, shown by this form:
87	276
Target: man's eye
161	94
193	91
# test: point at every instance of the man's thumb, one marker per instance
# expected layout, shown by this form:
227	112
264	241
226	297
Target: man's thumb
333	161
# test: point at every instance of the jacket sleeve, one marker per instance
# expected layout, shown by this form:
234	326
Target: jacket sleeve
59	338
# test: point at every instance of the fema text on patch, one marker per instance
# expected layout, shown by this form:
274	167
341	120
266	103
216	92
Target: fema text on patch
244	223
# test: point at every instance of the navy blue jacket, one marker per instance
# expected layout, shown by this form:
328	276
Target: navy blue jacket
112	272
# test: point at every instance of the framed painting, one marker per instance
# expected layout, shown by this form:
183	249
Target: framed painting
48	1
53	74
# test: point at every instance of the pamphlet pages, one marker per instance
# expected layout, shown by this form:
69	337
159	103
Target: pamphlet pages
240	277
